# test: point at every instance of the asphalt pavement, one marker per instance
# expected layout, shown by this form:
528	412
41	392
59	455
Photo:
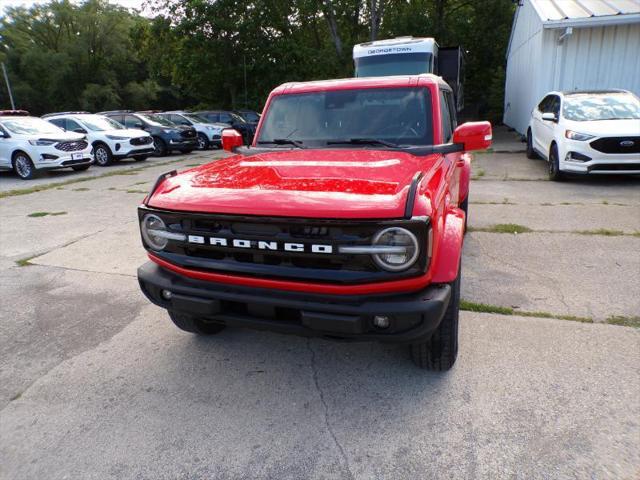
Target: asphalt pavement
96	383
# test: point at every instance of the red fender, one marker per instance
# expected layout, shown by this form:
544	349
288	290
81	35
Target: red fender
447	259
465	176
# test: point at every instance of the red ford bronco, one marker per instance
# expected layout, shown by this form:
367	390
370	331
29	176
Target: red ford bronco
344	219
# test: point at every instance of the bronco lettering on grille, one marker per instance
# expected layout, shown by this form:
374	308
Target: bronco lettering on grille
260	244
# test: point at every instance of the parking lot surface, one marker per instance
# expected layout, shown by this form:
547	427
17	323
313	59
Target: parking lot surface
96	383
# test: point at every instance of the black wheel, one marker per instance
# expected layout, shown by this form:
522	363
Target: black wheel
102	155
140	158
554	164
80	168
203	141
464	206
531	153
196	325
160	147
23	166
439	353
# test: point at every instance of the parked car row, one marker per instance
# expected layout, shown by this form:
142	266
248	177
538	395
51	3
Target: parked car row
77	139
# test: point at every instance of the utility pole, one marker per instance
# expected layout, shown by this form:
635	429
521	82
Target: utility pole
6	79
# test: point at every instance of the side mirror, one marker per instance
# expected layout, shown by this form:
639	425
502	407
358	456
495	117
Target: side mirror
473	135
231	139
80	130
549	117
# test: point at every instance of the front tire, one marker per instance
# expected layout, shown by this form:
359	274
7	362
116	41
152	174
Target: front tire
554	164
439	353
102	155
80	168
531	153
23	166
203	142
160	147
191	324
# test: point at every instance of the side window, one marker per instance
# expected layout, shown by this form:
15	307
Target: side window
452	109
545	104
445	118
59	122
72	125
555	106
225	118
131	122
117	118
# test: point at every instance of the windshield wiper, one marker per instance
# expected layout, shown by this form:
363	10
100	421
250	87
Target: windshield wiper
363	141
283	141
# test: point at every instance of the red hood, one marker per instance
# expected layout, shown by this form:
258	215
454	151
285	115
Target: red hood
337	183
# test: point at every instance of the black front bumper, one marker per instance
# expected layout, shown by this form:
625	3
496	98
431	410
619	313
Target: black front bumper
414	316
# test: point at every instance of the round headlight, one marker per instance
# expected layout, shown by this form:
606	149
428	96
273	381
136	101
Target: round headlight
401	259
150	224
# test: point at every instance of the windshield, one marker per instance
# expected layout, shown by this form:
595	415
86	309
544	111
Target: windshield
98	123
30	126
157	120
386	65
611	106
395	115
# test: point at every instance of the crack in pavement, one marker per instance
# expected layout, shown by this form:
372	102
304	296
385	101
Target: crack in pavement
326	410
558	293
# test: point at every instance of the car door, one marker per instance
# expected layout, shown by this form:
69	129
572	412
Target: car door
536	122
5	148
547	127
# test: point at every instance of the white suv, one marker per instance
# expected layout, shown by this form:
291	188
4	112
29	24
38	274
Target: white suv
209	134
29	144
594	132
111	141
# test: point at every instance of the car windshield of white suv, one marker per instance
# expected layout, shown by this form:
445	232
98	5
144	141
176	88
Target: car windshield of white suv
101	124
589	107
391	116
30	126
157	120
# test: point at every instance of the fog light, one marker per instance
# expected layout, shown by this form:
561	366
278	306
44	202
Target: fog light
166	294
381	321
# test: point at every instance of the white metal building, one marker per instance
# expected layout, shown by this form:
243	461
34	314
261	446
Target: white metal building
569	45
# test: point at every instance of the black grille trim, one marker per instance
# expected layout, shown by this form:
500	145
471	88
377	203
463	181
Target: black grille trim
613	145
141	140
72	146
304	266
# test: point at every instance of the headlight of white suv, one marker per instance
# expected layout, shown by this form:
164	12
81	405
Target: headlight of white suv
571	135
155	233
42	142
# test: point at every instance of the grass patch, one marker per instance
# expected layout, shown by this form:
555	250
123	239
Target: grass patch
81	189
140	183
193	164
502	228
15	397
137	191
479	174
468	306
44	214
49	186
601	231
26	262
624	321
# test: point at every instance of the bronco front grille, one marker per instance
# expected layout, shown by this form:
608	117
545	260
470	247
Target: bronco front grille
617	145
72	146
331	267
141	140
